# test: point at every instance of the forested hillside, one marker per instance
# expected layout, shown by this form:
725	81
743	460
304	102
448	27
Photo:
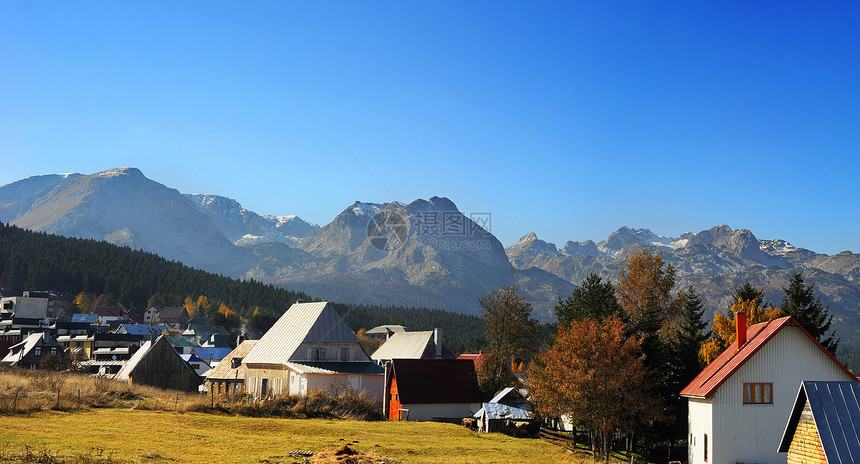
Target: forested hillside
39	261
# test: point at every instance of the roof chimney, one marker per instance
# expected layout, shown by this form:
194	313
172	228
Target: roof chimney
741	328
437	339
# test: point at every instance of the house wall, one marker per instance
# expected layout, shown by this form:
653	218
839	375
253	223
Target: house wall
805	447
751	433
426	412
373	384
329	352
700	423
277	379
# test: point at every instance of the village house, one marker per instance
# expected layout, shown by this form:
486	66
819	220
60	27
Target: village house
413	345
227	378
173	316
824	425
29	353
431	389
739	403
157	364
310	348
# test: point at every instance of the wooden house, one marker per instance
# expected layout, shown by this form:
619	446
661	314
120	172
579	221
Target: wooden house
173	316
413	345
30	352
227	378
310	348
824	425
738	404
159	365
431	389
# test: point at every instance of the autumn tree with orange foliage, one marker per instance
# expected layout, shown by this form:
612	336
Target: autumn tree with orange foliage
645	292
595	374
724	329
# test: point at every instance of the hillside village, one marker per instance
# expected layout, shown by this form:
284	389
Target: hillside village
774	392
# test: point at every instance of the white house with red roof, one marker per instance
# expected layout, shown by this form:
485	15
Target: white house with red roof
740	403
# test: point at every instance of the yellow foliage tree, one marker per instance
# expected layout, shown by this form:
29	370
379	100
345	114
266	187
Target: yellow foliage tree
724	330
84	301
203	304
190	306
644	290
223	309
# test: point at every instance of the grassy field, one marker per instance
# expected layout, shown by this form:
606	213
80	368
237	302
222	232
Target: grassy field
145	436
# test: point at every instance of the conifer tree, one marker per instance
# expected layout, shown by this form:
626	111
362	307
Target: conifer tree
747	292
800	303
593	299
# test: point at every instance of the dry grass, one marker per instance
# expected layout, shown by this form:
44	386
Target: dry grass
38	390
135	436
99	421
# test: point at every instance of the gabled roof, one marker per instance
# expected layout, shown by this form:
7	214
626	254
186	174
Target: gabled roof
433	381
129	366
179	340
411	345
836	411
388	328
302	323
224	369
24	347
509	395
475	358
503	411
171	312
730	360
145	330
216	354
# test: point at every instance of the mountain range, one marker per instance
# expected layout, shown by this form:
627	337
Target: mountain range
424	253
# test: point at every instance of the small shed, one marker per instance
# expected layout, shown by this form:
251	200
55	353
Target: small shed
507	412
824	425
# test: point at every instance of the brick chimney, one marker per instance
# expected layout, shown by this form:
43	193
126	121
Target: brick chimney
741	328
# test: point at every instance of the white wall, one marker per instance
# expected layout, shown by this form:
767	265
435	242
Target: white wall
426	412
700	422
751	433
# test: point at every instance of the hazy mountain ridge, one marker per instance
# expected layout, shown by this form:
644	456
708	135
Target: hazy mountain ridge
715	261
425	253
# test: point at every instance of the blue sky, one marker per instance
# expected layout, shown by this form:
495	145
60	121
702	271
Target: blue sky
568	119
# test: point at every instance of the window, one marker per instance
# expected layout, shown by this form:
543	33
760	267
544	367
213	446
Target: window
706	447
37	351
319	354
344	354
758	393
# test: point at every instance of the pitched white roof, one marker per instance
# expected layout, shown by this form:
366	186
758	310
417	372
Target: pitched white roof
302	323
28	344
404	345
132	362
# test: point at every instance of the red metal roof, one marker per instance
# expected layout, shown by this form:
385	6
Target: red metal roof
730	360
